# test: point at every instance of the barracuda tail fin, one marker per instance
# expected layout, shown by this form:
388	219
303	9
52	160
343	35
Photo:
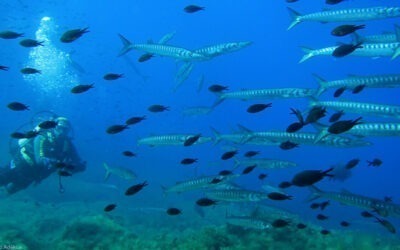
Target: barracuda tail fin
396	53
126	45
108	172
219	100
321	135
295	18
315	193
356	38
309	53
217	135
322	85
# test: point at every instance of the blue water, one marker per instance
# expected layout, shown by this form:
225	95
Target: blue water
270	62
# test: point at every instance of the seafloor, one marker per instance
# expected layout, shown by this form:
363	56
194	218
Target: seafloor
29	224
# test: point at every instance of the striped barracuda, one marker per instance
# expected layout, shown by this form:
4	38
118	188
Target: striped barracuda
198	110
277	137
368	50
380	110
265	163
248	222
199	183
161	50
345	15
171	140
381	207
221	49
236	195
262	94
183	74
237	138
381	38
377	81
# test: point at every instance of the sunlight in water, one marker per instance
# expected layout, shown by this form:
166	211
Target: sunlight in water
56	74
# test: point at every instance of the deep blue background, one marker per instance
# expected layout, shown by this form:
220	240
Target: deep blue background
270	62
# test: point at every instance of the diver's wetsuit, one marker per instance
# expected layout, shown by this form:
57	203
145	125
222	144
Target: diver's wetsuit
35	160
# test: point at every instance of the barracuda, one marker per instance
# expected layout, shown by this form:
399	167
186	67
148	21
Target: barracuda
199	183
345	15
161	50
171	140
376	129
381	110
236	195
262	94
378	81
382	38
381	207
270	137
238	138
368	50
265	163
248	222
221	49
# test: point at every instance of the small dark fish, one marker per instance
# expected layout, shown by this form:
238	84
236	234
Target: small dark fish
157	108
339	92
81	88
145	57
352	163
389	226
114	129
375	162
336	116
71	35
48	124
285	184
324	204
110	207
5	68
344	224
216	88
343	126
314	205
315	114
192	8
250	154
229	154
135	188
135	119
346	29
249	169
30	71
280	223
298	114
112	76
31	134
366	214
322	217
310	177
129	154
279	196
18	135
215	180
358	89
333	1
7	34
205	202
225	172
294	127
346	49
191	140
287	145
325	232
17	106
301	226
188	161
255	108
29	43
173	211
64	173
262	176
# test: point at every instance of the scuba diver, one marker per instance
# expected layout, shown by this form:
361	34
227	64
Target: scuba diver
39	153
